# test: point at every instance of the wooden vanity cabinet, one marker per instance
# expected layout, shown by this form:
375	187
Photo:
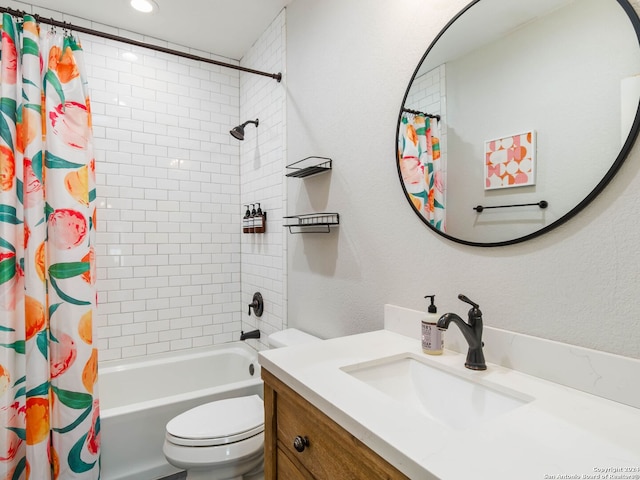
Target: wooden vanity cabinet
302	443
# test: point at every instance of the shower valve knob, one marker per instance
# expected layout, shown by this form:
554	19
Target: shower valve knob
257	305
300	443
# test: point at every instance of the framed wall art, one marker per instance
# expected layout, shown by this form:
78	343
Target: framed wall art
510	161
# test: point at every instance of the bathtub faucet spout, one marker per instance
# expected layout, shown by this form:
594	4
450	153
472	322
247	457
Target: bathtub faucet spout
251	334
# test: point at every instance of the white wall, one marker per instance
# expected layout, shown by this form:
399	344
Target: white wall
348	66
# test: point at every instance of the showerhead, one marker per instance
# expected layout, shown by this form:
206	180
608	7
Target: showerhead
238	132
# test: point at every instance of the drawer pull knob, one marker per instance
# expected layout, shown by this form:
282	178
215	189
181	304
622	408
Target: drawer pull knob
300	443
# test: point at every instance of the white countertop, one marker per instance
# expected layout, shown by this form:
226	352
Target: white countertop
561	433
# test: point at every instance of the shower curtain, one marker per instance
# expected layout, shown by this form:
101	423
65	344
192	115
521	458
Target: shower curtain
421	166
48	359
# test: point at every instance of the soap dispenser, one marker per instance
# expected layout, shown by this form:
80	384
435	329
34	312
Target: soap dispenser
259	225
252	219
245	220
432	336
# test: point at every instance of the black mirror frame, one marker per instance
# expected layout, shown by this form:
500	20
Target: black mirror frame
622	156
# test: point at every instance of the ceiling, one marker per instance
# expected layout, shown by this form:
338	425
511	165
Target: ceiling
224	27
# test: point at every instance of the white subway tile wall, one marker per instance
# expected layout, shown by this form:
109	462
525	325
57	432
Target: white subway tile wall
168	188
262	162
168	194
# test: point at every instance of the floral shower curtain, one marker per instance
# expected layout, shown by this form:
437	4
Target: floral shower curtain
48	359
421	166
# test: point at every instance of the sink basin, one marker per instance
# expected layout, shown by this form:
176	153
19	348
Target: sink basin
442	395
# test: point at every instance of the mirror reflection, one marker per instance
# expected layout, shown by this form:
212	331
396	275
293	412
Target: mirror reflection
518	103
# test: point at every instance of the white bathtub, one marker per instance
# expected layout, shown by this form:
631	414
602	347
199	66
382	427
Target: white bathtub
138	397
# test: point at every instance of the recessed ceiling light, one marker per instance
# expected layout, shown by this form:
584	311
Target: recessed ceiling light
145	6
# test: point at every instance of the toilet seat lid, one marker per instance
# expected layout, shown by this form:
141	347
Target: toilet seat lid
218	423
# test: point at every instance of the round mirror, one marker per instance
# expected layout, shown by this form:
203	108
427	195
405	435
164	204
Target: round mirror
518	115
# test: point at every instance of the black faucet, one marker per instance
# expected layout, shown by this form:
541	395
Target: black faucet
251	334
472	332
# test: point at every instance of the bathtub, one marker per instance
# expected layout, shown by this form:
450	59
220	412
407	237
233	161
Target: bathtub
138	397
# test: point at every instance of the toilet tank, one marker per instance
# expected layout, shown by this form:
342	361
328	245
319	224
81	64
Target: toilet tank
290	336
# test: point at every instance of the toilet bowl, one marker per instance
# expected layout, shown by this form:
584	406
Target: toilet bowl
224	440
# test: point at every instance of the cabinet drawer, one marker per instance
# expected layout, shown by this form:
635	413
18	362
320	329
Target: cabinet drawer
287	470
331	452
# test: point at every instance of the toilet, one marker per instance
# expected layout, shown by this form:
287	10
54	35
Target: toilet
224	440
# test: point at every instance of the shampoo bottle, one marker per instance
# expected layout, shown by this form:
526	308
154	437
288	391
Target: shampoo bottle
245	220
432	338
259	226
252	219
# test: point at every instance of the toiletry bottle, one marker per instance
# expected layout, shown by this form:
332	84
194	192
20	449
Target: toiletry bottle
259	225
252	219
245	220
432	336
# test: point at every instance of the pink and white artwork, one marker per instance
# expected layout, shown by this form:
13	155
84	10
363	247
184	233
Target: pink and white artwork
510	161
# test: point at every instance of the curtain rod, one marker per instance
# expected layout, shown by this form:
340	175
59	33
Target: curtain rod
109	36
417	112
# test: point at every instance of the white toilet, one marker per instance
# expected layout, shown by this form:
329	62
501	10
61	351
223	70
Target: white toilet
224	440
